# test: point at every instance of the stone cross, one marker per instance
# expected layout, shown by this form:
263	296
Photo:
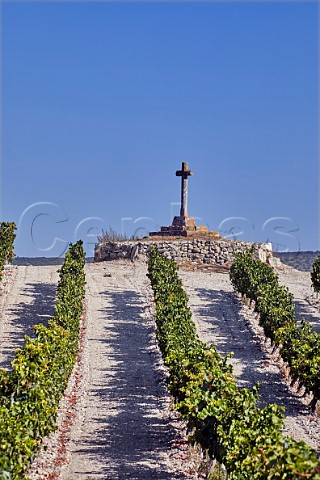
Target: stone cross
184	173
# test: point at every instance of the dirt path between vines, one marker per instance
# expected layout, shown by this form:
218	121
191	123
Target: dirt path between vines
27	298
307	305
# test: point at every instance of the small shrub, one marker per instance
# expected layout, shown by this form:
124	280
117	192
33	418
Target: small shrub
111	235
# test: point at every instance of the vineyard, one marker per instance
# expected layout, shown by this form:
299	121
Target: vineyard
154	391
224	419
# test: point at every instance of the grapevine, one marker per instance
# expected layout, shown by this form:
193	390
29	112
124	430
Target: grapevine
315	275
7	236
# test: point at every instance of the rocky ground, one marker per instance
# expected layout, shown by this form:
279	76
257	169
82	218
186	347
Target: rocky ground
116	420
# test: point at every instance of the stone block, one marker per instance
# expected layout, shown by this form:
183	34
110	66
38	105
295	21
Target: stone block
262	255
274	261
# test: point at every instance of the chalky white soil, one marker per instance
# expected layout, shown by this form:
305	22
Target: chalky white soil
27	295
115	421
307	304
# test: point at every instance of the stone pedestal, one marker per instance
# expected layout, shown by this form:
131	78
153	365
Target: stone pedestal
184	221
182	226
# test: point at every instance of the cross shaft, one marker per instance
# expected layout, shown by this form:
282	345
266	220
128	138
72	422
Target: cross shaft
184	173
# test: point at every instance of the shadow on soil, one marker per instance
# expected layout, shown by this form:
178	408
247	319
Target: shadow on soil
42	261
26	316
223	319
303	310
37	261
134	439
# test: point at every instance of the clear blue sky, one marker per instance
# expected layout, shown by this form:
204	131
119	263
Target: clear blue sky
101	102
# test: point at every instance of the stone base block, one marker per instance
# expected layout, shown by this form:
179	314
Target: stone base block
182	226
181	222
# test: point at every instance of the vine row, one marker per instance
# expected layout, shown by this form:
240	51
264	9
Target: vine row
315	275
7	236
30	394
298	345
224	419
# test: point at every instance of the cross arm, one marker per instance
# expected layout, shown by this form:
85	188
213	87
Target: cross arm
184	173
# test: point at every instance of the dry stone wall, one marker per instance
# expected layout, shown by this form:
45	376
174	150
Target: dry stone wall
196	251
